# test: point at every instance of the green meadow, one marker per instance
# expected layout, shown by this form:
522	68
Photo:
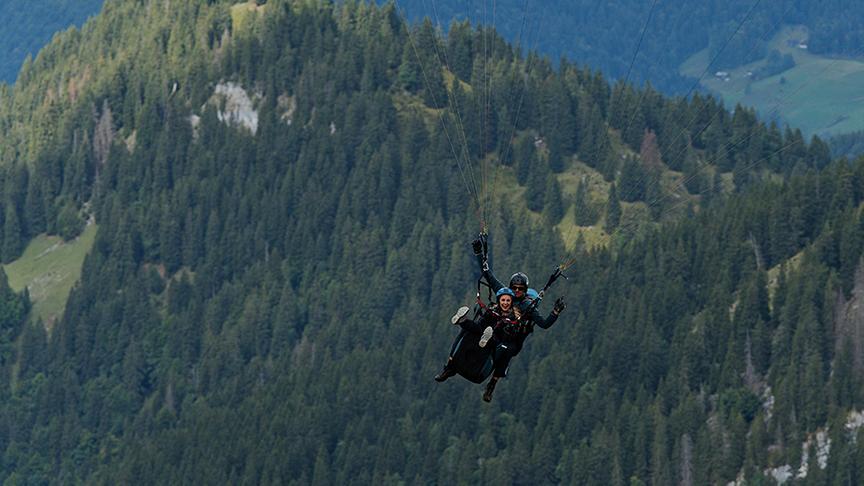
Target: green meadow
49	269
820	95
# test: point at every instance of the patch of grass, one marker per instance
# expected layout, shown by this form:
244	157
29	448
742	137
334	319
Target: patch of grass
617	145
635	217
728	182
695	65
592	236
597	192
241	15
407	104
598	188
507	194
820	95
49	268
448	82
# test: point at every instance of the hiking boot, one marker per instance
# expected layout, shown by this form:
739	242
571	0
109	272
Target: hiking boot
490	387
487	335
459	314
447	372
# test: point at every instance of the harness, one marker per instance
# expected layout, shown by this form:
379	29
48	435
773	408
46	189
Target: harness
515	327
510	325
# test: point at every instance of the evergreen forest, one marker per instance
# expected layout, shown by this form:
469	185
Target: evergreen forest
286	192
661	35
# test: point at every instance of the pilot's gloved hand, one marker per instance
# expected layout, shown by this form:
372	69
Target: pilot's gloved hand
559	306
477	246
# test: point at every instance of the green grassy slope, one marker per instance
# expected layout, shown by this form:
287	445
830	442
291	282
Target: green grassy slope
49	268
820	95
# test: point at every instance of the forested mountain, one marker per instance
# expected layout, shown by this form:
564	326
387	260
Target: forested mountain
26	27
605	35
850	143
284	211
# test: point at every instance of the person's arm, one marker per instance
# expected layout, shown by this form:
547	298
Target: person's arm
483	263
546	323
553	316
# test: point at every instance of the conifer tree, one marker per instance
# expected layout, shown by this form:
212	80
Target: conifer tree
632	181
552	205
12	244
583	212
536	185
613	210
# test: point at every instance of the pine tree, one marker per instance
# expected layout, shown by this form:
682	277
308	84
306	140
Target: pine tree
632	181
552	205
459	49
613	210
410	73
583	212
34	209
12	244
536	186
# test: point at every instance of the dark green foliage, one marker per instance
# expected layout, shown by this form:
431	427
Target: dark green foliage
696	180
460	49
552	204
12	234
633	180
594	147
583	210
741	402
848	145
603	34
524	157
69	222
537	184
270	308
13	314
613	210
425	49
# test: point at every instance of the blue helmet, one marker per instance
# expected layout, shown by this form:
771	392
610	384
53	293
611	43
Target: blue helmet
504	291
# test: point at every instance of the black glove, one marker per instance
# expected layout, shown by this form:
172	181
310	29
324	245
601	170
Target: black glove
558	306
477	246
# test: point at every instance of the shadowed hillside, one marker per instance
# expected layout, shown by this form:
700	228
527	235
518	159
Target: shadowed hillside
285	195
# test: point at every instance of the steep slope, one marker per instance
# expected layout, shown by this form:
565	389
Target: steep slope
282	235
796	62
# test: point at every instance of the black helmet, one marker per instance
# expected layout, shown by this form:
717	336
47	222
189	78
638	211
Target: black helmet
519	279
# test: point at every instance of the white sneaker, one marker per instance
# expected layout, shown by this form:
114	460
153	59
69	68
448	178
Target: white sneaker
487	335
459	314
